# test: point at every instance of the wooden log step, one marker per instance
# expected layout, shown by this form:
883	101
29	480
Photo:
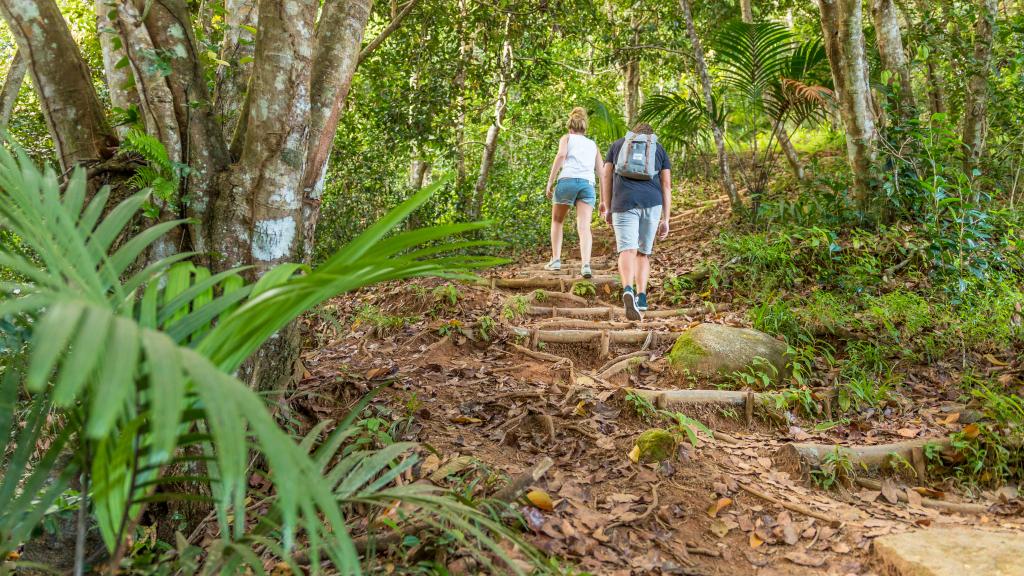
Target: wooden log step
616	312
799	458
591	336
547	282
669	398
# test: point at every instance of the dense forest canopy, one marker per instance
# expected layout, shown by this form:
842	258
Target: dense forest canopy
192	190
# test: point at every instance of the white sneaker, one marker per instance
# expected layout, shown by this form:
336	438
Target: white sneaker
586	272
554	266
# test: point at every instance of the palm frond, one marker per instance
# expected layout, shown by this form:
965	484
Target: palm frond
752	56
606	124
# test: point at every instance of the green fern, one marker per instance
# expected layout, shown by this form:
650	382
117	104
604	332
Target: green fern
159	173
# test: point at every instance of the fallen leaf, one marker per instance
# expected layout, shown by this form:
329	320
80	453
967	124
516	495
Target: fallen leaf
908	432
790	535
430	465
719	528
971	431
755	541
634	454
930	492
540	499
717	507
466	420
454	467
803	559
995	361
913	498
951	419
869	495
889	491
840	547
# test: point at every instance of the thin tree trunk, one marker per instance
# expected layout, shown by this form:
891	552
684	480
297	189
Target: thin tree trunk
705	80
792	157
841	24
72	110
491	141
465	48
976	102
339	36
122	94
396	21
631	78
889	38
936	83
12	86
747	10
237	49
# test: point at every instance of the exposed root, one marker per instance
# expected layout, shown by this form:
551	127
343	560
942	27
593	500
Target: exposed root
646	514
965	508
623	365
827	519
591	336
610	312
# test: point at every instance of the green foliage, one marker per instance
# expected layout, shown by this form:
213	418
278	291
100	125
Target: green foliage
642	407
767	263
585	289
515	307
485	327
383	324
760	375
836	470
135	361
776	317
159	173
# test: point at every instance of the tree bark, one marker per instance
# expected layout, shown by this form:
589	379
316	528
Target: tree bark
339	36
237	48
122	94
61	77
841	25
631	78
705	80
792	157
889	38
976	102
747	10
465	49
491	141
12	86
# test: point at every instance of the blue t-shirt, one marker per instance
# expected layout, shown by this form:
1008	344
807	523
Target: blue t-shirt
628	193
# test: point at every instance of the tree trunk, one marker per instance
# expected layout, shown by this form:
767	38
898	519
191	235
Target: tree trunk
12	86
976	102
122	94
705	80
491	142
747	10
61	78
339	36
890	49
631	78
237	48
396	21
792	157
841	22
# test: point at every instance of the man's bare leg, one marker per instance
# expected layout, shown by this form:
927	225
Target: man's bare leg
643	272
627	267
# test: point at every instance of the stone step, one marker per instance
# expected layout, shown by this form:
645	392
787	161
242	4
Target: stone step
951	552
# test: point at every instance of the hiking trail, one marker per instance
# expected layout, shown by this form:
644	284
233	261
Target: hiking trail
535	376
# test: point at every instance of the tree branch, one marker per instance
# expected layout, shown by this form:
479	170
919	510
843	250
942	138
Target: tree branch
12	86
395	23
61	77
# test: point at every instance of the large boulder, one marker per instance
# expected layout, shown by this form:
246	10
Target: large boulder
716	351
951	552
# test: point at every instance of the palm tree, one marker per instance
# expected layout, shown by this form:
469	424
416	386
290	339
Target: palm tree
770	77
138	364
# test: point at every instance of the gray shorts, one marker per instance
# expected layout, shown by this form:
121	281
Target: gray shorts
636	228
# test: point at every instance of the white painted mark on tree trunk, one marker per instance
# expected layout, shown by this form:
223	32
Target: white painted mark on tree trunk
273	239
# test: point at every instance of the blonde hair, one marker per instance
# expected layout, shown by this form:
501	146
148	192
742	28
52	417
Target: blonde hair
577	120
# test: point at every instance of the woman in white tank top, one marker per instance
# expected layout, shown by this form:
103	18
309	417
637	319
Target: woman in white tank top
576	166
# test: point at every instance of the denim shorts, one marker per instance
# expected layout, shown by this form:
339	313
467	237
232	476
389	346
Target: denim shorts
569	190
636	228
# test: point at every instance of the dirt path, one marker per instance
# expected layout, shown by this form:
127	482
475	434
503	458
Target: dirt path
521	375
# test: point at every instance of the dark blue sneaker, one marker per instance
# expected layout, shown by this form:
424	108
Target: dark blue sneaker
641	302
629	302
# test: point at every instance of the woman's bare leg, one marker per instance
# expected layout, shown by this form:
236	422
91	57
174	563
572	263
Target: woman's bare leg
584	213
558	213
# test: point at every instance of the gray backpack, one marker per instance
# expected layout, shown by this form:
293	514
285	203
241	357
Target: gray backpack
637	157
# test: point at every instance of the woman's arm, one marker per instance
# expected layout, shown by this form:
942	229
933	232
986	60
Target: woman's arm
599	164
606	192
556	166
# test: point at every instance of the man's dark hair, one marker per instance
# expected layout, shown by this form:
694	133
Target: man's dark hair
642	128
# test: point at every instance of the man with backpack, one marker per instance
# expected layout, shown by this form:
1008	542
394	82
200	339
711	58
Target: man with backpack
637	202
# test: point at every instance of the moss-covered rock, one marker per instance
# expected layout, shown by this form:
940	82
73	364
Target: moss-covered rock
714	350
656	445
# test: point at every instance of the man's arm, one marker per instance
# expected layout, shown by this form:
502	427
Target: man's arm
666	202
606	191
